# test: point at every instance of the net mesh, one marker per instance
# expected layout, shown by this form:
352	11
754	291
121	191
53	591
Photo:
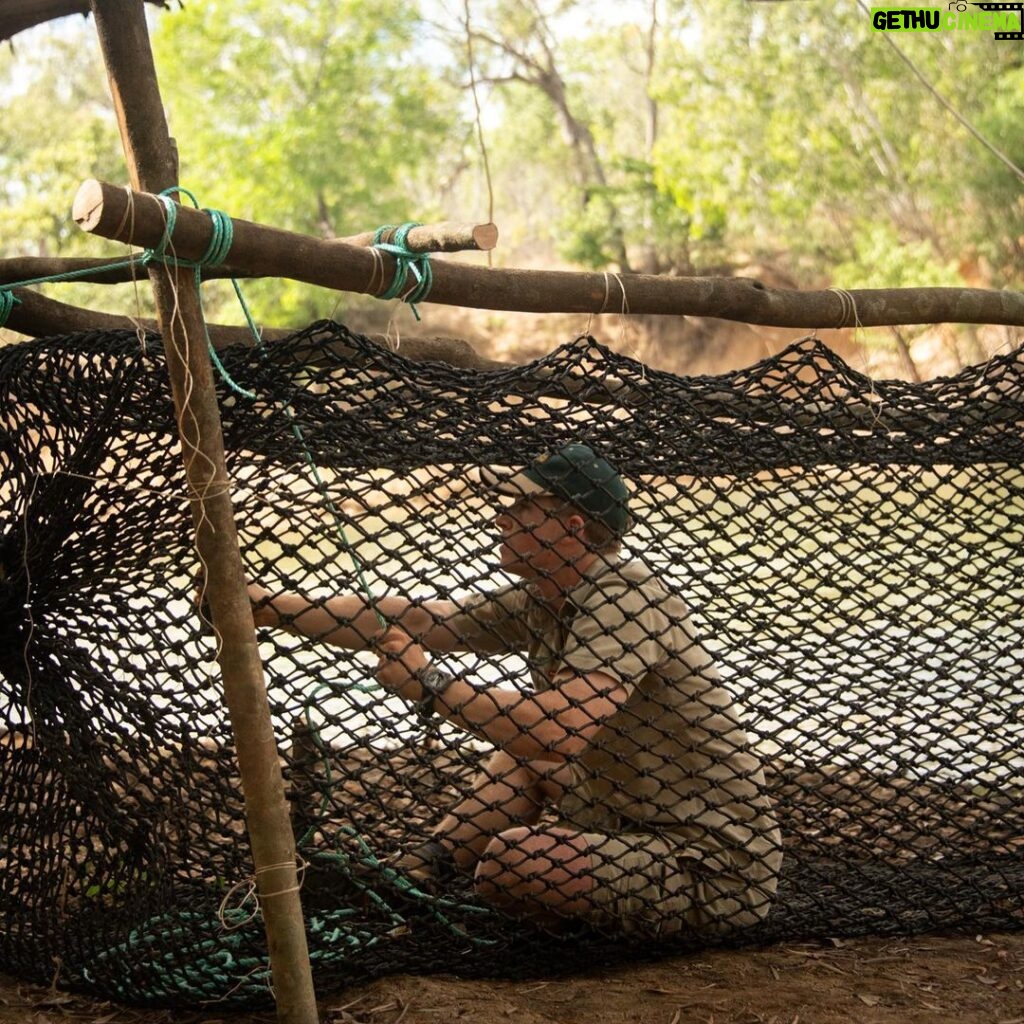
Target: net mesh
813	631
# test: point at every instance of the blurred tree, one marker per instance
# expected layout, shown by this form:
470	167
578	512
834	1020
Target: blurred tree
58	129
668	136
320	116
529	49
795	132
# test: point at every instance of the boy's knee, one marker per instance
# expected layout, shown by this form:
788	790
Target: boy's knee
496	871
524	864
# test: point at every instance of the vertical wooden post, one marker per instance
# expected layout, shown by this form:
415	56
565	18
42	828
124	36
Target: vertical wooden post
124	38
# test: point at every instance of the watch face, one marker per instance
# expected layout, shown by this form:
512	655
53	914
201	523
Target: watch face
434	680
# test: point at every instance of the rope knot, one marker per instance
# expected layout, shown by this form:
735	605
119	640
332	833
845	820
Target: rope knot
221	238
8	300
406	261
223	234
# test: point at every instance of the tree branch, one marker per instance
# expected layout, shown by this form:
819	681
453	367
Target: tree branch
138	219
512	76
505	47
37	316
18	15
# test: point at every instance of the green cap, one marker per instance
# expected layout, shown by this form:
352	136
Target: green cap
577	474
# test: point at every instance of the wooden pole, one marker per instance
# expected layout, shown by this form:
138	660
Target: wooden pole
92	270
124	39
37	316
127	216
443	237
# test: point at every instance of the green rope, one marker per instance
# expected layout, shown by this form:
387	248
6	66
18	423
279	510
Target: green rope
73	275
406	262
217	251
368	859
221	237
159	251
7	302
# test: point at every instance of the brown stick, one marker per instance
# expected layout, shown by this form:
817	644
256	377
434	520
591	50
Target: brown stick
115	213
121	25
18	15
443	237
37	316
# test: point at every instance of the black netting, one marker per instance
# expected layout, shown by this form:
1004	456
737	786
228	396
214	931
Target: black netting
851	554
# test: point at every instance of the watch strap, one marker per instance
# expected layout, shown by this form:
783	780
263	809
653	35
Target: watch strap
434	682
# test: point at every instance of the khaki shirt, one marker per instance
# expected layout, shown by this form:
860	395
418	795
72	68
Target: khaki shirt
674	757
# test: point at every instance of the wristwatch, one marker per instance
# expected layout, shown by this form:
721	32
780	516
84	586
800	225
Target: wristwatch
434	682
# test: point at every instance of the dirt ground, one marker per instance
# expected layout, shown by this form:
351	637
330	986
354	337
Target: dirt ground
924	980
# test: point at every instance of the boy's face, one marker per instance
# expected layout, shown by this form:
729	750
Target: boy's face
538	535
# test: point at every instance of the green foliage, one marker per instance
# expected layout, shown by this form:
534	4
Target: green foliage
654	220
880	259
801	131
57	129
317	117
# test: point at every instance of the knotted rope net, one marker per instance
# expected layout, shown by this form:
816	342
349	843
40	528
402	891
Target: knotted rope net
794	708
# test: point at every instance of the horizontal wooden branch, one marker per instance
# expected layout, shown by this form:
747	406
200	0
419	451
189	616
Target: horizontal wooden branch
18	15
138	219
443	237
37	316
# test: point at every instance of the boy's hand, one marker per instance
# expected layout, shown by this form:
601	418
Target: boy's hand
401	658
263	611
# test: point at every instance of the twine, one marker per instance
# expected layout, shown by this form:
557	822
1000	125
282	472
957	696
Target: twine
848	309
254	896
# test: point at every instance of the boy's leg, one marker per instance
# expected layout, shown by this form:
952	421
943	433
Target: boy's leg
507	793
634	883
541	873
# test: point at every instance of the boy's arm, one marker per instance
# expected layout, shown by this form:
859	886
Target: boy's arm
556	725
350	621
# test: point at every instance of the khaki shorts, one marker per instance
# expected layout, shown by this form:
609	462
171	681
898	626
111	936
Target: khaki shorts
646	885
656	884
